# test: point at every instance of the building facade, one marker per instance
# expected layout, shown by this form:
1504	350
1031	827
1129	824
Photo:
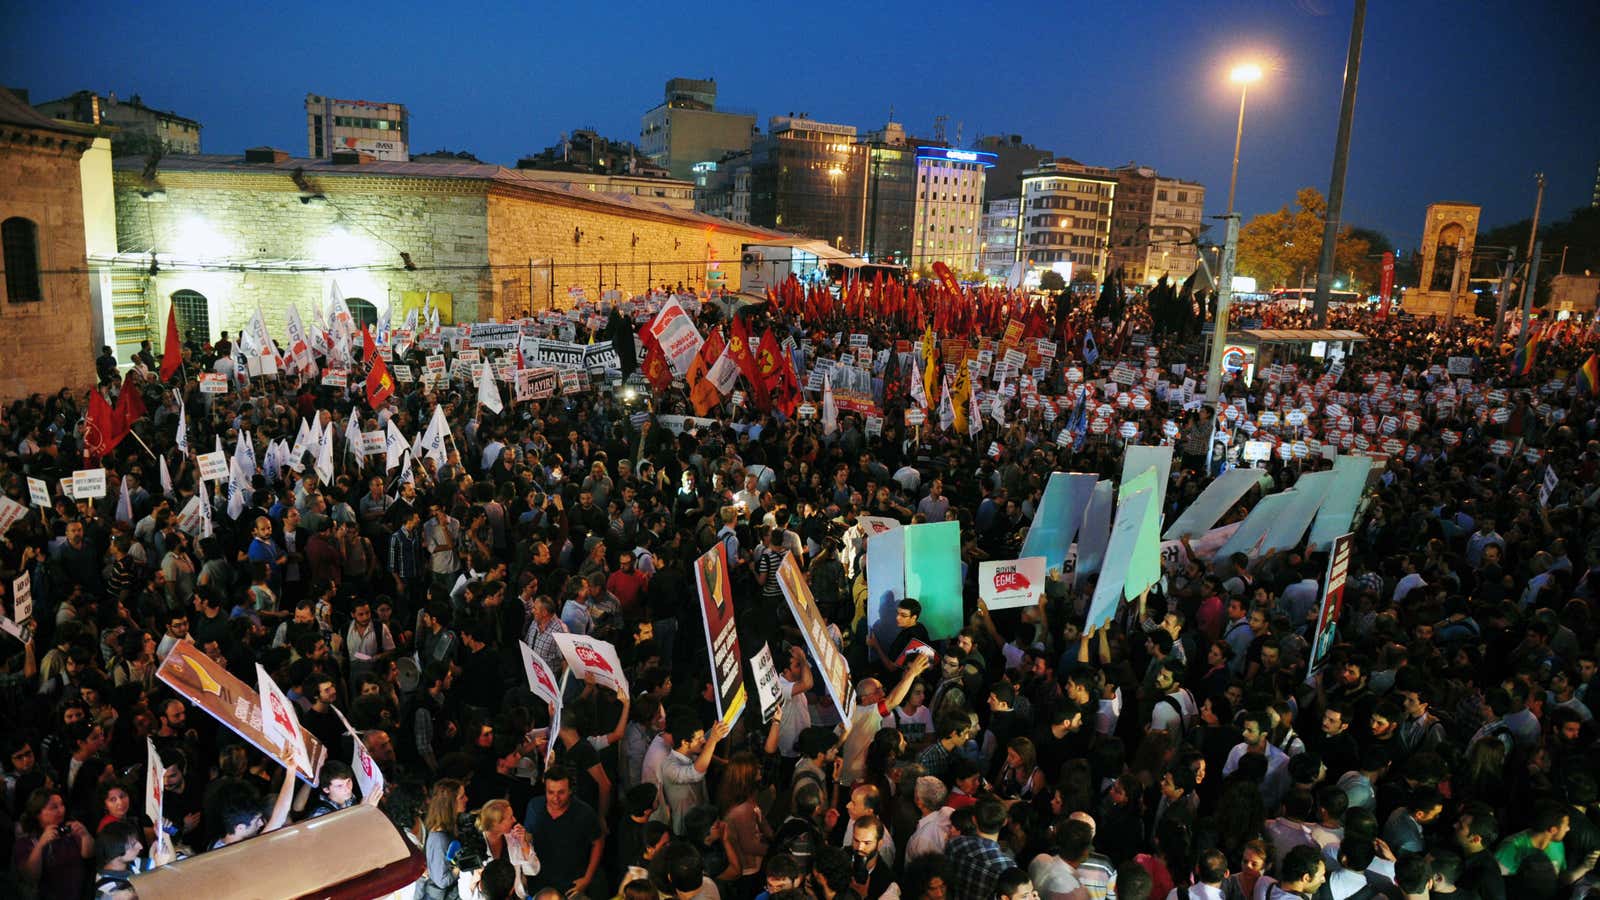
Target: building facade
890	196
46	313
381	129
1177	219
810	178
139	129
1012	157
687	128
948	225
997	237
233	233
1066	217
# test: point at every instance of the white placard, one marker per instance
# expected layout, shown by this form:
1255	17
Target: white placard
39	491
213	383
88	484
10	513
587	656
22	598
541	680
1003	584
279	724
368	776
766	679
213	465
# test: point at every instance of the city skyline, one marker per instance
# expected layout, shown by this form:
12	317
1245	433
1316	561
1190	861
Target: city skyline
1432	122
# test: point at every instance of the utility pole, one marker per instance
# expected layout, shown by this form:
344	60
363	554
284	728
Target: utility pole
1341	161
1219	330
1500	305
1455	282
1527	291
1505	292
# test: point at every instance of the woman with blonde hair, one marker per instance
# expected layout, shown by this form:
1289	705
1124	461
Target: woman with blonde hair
445	804
748	830
507	840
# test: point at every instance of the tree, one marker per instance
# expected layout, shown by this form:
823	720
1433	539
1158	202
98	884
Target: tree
1281	249
1051	280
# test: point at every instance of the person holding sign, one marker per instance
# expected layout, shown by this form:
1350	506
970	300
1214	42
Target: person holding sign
683	772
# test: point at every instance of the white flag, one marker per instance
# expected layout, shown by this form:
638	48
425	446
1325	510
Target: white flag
155	784
433	438
238	486
368	776
244	450
974	417
300	358
411	320
947	410
997	406
166	477
200	494
407	476
394	445
918	395
325	455
488	394
182	439
219	448
302	443
830	410
125	504
352	434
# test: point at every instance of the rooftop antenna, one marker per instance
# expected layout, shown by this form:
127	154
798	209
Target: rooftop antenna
938	127
891	112
959	126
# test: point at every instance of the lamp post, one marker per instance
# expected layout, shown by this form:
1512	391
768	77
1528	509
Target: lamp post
1243	76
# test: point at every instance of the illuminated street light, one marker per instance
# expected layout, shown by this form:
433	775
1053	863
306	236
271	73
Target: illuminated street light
1245	74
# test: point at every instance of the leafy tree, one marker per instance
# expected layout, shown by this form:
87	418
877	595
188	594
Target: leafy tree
1051	280
1280	248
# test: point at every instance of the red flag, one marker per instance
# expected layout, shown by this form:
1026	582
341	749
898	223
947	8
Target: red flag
172	353
739	348
103	429
767	364
380	384
656	369
130	403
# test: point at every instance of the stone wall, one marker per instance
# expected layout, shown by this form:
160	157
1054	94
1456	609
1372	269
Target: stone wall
211	221
46	345
625	249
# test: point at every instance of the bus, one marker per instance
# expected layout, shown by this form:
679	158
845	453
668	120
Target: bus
1300	299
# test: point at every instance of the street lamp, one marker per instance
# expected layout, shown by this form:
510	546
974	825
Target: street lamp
1241	75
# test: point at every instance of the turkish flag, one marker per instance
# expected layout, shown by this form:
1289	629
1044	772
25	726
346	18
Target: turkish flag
172	353
380	384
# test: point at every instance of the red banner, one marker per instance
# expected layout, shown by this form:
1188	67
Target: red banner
1332	602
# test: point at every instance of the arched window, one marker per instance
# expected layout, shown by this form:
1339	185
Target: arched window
194	316
363	312
21	239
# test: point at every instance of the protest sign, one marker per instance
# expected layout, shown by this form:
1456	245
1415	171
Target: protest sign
279	723
1332	603
11	512
1338	510
22	598
1055	523
587	656
541	679
722	638
933	575
1119	552
1218	497
1095	531
765	675
213	466
88	484
208	685
213	383
1003	584
39	492
831	664
886	582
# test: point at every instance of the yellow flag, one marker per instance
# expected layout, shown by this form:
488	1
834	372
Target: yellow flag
930	365
961	396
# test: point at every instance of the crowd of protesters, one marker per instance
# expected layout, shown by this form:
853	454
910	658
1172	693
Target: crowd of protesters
1446	747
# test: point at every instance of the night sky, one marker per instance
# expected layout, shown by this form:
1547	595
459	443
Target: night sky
1458	101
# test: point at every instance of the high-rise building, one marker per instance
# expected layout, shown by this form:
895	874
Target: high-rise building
891	197
949	211
1012	157
381	129
687	128
140	128
810	178
997	237
1155	226
1066	216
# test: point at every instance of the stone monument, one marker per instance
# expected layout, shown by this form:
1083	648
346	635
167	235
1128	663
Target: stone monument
1448	235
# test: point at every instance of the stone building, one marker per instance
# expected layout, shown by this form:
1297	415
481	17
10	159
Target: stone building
221	235
139	128
46	336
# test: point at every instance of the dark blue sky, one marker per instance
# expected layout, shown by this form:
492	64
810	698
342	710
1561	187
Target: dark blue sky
1458	101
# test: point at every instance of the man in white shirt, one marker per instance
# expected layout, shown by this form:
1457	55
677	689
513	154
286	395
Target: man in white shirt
793	683
1210	872
1176	709
933	829
1256	731
1055	875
